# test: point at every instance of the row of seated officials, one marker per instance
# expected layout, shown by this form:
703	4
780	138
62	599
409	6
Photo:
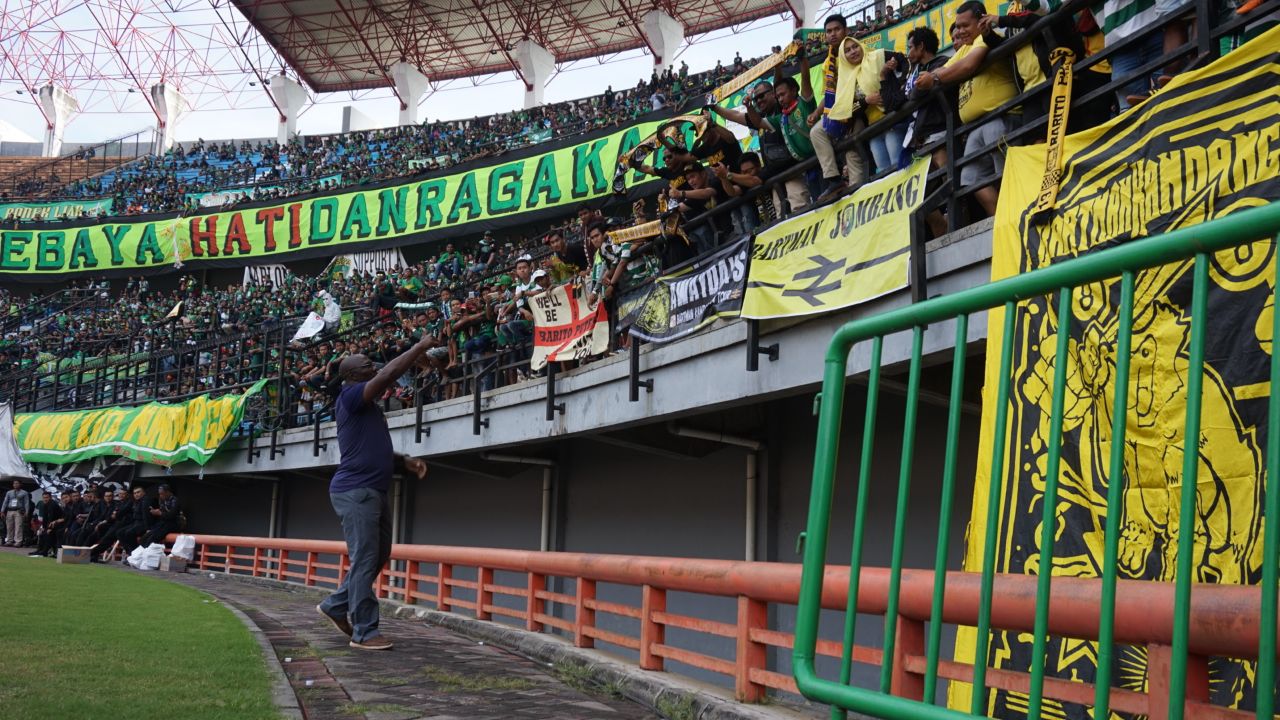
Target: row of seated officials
101	518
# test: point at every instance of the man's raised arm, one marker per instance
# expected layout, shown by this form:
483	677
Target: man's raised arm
394	369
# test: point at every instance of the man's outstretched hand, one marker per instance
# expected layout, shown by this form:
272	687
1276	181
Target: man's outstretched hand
417	466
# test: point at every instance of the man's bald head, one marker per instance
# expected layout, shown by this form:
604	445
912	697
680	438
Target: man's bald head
356	368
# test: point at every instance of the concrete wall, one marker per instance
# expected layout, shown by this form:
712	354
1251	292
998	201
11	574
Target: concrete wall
624	483
661	495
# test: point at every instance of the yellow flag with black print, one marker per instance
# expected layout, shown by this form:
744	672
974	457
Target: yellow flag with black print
1205	146
842	254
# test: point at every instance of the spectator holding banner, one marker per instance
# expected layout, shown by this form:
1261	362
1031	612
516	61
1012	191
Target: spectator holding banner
982	91
746	216
829	121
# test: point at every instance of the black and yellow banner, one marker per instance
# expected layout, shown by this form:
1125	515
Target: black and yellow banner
689	299
1205	146
491	196
842	254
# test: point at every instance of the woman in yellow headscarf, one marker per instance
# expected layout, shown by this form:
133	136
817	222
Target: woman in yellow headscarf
858	90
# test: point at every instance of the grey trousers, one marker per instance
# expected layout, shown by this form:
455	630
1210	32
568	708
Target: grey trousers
366	525
824	147
15	526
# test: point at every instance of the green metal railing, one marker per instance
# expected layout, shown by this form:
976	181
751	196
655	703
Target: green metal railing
1197	243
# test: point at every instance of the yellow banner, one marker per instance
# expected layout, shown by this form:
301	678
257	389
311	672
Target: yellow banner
851	251
1205	146
159	433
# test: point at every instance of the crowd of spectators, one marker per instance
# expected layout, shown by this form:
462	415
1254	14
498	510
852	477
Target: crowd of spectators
94	516
472	298
237	172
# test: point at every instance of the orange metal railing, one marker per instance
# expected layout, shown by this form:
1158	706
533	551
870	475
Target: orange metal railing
1224	619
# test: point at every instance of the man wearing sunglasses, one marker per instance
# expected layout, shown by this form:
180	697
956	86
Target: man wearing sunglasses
358	491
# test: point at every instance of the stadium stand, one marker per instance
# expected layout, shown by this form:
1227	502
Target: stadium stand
116	343
218	342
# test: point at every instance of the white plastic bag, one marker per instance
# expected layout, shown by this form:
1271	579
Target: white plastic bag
184	547
151	557
135	557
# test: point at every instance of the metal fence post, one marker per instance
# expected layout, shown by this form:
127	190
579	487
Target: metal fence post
652	600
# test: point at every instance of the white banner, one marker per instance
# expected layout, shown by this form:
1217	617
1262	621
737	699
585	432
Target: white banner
372	263
565	327
12	466
310	327
275	275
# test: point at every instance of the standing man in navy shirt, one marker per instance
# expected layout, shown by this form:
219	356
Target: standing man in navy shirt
359	489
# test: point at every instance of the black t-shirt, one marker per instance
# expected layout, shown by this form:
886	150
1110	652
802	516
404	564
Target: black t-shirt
723	223
574	254
720	146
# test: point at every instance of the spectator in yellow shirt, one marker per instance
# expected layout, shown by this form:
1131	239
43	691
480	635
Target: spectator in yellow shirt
981	92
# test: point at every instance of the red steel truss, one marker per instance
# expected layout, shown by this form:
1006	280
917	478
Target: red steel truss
109	53
221	54
352	44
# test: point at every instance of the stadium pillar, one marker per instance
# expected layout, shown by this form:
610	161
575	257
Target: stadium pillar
59	105
536	66
664	34
170	106
290	97
410	84
806	12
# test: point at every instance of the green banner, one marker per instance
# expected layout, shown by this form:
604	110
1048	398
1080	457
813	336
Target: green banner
557	178
54	210
157	433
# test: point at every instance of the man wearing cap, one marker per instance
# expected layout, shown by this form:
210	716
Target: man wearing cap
358	491
518	328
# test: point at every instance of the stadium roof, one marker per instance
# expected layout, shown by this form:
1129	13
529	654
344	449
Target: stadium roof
352	44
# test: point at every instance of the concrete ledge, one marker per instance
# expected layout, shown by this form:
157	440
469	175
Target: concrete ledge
650	689
653	690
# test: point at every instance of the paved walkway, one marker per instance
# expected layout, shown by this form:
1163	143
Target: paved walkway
431	674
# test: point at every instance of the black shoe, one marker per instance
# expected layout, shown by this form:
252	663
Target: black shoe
35	554
833	189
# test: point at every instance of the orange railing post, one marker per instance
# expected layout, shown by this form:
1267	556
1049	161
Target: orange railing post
652	600
411	571
310	576
1159	659
584	616
257	560
442	595
750	655
535	605
909	642
484	593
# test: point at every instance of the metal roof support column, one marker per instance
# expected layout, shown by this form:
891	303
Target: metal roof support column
664	34
536	66
290	97
410	85
171	106
58	105
806	12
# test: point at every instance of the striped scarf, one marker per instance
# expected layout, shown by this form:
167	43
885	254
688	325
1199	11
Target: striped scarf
830	71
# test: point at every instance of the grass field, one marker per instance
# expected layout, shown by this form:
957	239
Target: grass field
95	642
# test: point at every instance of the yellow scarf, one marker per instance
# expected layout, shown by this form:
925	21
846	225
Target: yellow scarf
854	80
